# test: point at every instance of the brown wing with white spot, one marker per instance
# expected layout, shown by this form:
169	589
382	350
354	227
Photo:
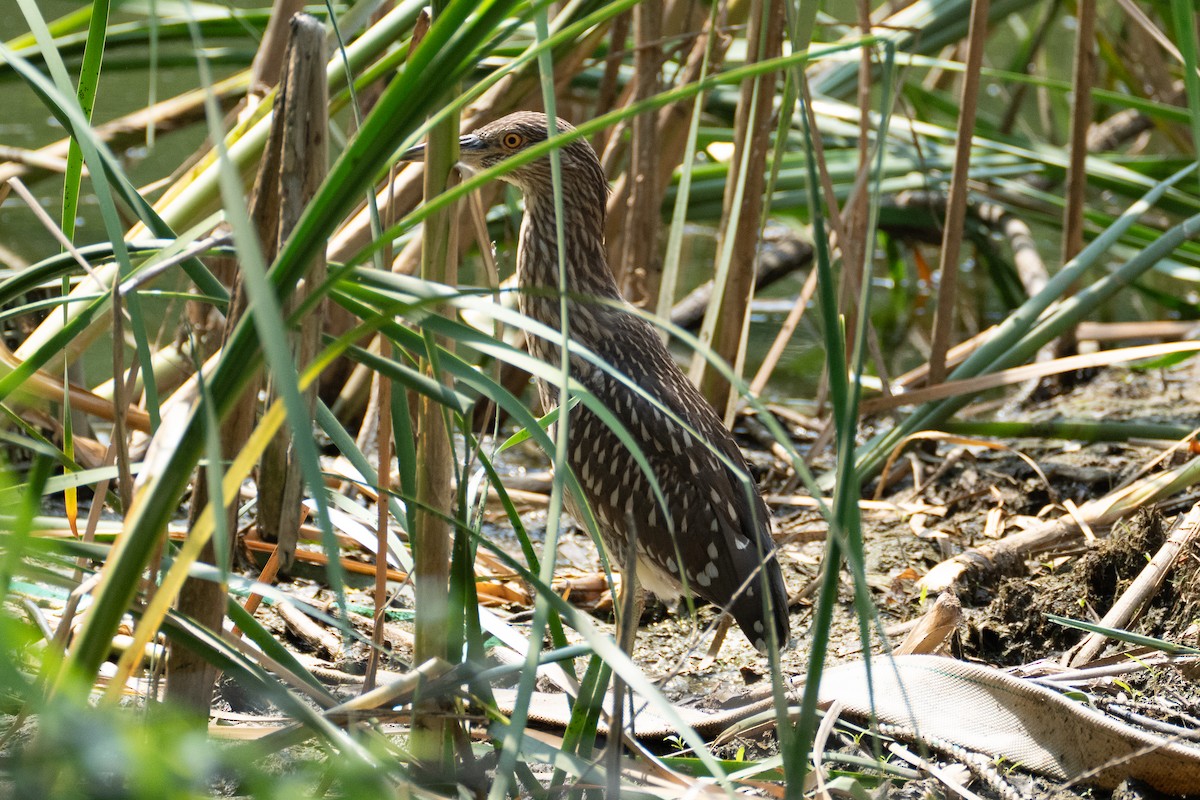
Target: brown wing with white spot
713	536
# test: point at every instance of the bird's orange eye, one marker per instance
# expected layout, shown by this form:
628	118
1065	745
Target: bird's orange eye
512	140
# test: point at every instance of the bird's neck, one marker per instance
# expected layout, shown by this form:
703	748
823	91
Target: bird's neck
585	261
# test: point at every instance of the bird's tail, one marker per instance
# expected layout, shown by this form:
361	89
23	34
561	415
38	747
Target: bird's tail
754	616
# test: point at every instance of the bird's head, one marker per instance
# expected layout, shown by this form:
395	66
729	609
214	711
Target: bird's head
504	138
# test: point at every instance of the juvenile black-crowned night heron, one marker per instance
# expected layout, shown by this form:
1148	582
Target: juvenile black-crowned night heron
713	536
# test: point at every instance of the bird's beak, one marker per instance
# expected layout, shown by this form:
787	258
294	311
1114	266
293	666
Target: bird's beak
466	144
469	143
416	153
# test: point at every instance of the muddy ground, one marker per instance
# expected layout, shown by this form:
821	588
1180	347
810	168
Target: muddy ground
960	486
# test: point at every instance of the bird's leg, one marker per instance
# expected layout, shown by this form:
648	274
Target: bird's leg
630	603
724	623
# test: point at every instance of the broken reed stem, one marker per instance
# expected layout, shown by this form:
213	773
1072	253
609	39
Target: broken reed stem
303	140
639	269
957	205
854	247
292	168
383	388
985	562
268	62
1144	587
1081	117
431	742
741	227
